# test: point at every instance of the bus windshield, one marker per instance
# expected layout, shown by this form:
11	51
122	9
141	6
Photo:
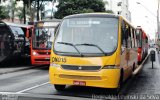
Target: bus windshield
18	32
91	36
43	37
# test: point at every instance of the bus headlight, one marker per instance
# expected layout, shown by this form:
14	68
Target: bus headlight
111	67
54	65
35	53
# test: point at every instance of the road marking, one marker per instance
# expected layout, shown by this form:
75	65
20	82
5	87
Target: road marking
36	86
21	69
10	93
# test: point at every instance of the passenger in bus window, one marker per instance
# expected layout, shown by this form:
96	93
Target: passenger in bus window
125	31
42	45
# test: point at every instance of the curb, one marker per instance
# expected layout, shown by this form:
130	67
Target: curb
23	69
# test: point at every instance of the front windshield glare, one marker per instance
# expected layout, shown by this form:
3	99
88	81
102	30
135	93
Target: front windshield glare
102	32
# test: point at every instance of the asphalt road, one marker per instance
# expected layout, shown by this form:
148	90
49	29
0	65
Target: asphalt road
33	84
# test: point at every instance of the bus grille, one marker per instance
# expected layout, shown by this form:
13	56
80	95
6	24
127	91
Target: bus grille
44	53
87	68
80	77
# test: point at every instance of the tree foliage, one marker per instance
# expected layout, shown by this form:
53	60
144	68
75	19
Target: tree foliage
69	7
20	13
13	8
4	13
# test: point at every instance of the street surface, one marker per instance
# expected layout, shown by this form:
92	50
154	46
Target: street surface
26	82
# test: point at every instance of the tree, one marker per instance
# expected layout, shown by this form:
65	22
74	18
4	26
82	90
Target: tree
4	14
69	7
33	5
20	13
13	8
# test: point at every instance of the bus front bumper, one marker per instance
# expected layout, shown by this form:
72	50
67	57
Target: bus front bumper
105	78
40	60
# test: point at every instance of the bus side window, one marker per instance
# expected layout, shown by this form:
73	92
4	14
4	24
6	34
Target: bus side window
129	38
146	40
123	37
126	37
134	38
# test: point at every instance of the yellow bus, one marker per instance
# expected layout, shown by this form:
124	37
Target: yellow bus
93	49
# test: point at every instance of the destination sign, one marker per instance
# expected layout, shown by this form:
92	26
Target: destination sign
81	23
47	24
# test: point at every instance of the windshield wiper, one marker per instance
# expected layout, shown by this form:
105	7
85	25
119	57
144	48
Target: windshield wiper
71	45
87	44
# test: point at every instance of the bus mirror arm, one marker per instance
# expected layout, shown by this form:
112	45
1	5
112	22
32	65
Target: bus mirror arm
56	28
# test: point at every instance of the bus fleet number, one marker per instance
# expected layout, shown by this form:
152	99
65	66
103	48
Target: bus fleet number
58	59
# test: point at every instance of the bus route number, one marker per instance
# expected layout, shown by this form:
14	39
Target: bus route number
58	59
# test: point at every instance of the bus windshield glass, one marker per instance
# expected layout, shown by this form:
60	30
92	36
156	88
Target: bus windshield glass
91	36
43	35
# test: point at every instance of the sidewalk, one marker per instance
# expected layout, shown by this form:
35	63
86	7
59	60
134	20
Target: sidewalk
15	65
13	69
147	81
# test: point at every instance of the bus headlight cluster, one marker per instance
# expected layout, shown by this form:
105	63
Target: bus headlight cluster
54	65
111	67
35	53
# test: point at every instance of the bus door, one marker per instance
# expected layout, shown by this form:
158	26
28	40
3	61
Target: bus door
125	50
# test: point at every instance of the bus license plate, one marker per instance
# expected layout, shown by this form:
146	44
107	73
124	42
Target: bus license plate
82	83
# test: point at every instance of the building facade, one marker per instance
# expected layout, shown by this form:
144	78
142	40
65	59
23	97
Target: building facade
119	7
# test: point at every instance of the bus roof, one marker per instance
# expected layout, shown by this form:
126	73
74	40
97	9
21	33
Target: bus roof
18	25
52	20
103	15
92	15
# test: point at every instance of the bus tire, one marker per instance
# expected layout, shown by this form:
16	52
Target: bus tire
139	62
133	67
59	87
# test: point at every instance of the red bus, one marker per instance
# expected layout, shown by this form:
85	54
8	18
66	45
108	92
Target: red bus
142	44
41	41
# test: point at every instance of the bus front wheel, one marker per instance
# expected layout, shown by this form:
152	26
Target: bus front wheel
59	87
117	90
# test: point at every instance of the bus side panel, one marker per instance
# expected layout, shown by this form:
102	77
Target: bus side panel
6	42
128	50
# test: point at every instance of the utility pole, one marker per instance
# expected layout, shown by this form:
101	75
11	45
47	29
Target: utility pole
37	10
29	2
24	11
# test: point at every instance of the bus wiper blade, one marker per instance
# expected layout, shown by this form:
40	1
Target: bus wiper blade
71	45
87	44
